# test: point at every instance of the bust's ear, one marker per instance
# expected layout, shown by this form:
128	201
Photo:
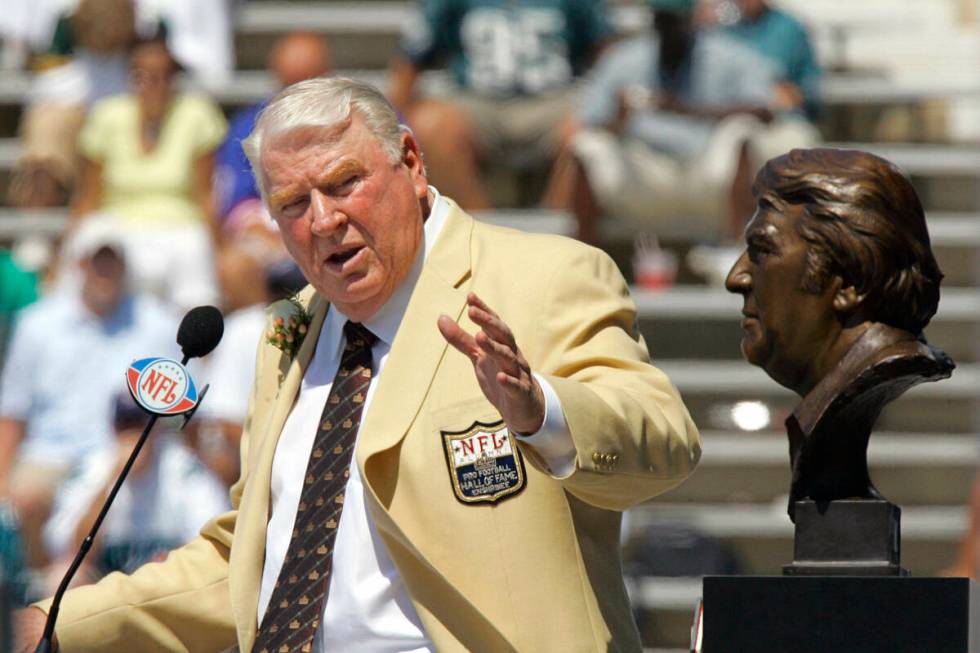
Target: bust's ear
846	299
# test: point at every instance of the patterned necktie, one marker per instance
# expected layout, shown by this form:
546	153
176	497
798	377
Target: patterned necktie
293	615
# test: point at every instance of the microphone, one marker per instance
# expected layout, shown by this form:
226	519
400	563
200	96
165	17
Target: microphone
199	333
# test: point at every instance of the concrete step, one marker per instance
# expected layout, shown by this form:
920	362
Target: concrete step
359	36
248	85
702	303
710	388
925	159
953	230
700	322
911	469
664	608
762	535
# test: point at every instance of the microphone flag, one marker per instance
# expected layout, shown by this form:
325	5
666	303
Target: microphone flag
162	386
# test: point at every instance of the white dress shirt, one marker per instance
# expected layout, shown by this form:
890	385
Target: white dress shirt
368	608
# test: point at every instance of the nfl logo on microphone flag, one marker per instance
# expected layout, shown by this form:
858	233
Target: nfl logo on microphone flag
162	386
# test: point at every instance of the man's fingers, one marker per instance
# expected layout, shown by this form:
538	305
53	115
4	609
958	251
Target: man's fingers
493	325
513	384
501	353
457	337
474	300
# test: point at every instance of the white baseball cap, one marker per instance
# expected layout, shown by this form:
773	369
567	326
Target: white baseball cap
95	233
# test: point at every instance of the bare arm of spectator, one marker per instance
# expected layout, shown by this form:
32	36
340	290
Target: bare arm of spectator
203	189
11	435
786	96
88	193
425	38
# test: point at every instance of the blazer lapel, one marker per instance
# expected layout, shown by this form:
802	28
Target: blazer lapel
248	552
419	346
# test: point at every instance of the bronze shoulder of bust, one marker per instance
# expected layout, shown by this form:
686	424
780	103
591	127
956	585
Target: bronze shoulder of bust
829	430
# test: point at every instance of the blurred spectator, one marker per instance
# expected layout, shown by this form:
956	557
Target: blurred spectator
148	160
165	500
18	288
514	63
26	27
968	558
199	34
678	120
67	355
14	573
783	40
85	63
252	276
297	56
232	366
84	59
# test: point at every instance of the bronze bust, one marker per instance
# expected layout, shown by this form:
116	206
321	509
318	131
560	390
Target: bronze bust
838	280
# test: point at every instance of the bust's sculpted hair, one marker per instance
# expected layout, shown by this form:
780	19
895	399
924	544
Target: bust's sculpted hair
324	102
863	221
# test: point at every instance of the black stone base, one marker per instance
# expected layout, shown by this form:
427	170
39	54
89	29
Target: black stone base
851	537
753	614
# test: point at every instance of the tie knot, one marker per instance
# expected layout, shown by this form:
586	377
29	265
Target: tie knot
358	335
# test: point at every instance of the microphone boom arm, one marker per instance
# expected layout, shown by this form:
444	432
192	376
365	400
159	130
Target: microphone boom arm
45	645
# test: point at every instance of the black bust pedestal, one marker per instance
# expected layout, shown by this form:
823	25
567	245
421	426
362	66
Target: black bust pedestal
847	538
838	614
845	591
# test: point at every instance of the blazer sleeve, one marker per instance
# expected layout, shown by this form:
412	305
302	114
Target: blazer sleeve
633	436
179	604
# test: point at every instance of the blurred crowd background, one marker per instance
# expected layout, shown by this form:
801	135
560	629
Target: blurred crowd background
635	125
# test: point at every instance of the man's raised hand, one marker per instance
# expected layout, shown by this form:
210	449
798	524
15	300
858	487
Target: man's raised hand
501	369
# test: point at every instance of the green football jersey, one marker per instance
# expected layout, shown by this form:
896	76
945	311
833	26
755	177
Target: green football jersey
18	288
507	47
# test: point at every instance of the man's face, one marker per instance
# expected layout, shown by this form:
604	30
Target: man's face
785	328
349	216
103	281
151	74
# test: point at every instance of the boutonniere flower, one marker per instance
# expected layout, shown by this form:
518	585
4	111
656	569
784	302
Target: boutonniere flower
288	331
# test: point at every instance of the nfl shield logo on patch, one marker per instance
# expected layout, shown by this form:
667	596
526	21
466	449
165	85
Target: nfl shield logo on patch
484	463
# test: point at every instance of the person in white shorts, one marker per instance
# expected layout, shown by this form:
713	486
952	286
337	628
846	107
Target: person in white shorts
676	121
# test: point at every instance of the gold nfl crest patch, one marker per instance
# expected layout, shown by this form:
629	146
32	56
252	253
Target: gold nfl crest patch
485	464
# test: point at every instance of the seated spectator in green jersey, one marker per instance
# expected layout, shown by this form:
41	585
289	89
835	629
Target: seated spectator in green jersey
783	40
514	64
18	288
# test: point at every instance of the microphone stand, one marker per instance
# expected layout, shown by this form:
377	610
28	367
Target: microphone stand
45	645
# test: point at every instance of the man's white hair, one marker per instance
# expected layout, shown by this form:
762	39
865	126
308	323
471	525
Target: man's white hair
324	102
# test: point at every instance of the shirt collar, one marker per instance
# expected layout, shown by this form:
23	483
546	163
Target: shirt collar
386	321
78	313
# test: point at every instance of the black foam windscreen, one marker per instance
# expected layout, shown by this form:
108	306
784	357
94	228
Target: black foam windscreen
200	331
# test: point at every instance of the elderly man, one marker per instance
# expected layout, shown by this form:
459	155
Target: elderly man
481	508
839	281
